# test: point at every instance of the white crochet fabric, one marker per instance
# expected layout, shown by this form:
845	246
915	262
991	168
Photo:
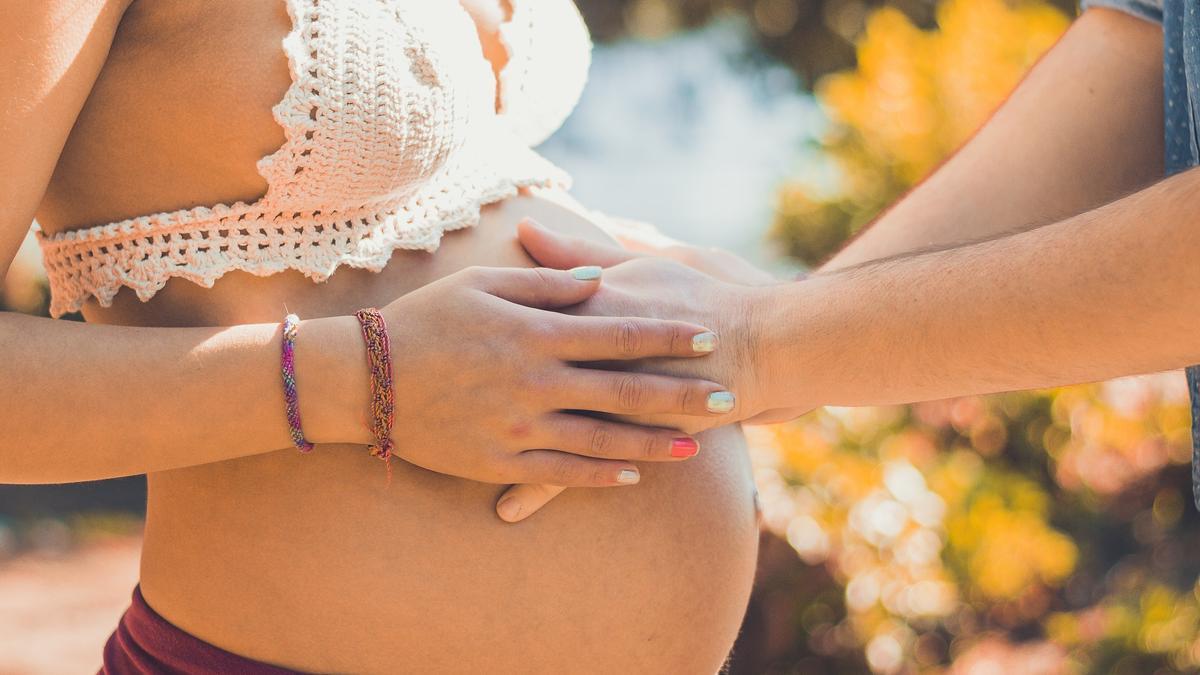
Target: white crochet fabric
392	140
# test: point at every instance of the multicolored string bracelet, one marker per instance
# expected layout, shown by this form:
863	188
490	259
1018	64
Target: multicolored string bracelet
383	397
291	325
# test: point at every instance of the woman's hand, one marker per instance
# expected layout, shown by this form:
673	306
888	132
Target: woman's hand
650	286
484	374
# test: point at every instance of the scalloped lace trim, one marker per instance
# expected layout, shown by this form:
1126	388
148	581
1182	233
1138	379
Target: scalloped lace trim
202	244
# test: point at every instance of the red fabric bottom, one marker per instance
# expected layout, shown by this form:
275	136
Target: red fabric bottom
147	644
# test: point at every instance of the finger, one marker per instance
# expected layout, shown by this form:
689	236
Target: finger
603	338
561	251
601	439
521	501
539	287
567	470
622	393
640	237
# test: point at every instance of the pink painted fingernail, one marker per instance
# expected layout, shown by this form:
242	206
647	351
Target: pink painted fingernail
684	447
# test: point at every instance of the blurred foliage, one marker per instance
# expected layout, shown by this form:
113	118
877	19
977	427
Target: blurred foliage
813	37
1042	532
1048	532
915	96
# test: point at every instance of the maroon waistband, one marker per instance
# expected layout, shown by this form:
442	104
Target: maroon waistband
147	644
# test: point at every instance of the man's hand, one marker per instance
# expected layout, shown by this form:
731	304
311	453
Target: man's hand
646	286
658	288
643	238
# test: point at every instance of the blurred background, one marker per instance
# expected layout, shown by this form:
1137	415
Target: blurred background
1045	532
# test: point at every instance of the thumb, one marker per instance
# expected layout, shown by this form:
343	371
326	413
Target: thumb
520	501
539	286
561	251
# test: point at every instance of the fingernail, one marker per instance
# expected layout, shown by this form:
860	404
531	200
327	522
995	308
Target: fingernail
720	402
510	509
703	343
628	477
684	447
586	273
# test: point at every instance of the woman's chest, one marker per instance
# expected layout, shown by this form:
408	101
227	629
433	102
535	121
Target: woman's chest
220	100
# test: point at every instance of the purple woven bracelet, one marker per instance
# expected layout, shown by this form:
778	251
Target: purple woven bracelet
291	324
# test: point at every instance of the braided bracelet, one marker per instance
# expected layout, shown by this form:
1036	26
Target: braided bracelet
383	398
291	325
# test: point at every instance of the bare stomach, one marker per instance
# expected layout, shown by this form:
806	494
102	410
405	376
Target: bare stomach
315	562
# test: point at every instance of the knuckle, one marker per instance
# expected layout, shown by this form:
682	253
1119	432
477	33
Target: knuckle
686	397
519	429
601	443
542	276
650	445
676	339
474	274
628	338
563	471
540	387
543	333
631	393
599	476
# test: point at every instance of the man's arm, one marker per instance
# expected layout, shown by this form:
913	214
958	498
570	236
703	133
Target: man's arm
1083	128
1111	292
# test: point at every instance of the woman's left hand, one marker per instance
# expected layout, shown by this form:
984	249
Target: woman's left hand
637	284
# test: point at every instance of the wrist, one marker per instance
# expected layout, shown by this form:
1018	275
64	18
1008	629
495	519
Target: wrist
787	346
332	380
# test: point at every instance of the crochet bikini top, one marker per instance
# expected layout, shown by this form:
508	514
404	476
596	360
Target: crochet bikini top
392	138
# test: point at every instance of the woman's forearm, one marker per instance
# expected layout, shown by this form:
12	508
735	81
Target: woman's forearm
1111	292
85	401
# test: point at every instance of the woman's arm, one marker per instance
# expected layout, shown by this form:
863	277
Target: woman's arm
85	402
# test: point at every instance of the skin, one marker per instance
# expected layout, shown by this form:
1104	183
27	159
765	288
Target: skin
72	164
1048	251
317	562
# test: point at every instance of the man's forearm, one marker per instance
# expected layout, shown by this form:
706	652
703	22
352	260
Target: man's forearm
1084	128
1107	293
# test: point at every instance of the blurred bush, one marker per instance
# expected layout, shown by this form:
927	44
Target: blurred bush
1044	532
915	96
813	37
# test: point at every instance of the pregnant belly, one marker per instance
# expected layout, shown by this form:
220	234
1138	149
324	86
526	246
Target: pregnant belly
317	563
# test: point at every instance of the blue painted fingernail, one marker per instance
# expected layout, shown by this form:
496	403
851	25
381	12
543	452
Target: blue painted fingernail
628	477
720	402
703	343
586	273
